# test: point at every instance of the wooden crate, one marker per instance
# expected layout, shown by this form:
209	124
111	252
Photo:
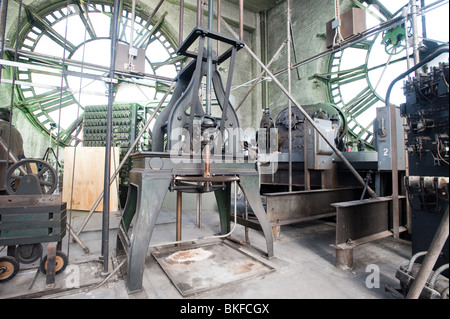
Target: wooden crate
88	182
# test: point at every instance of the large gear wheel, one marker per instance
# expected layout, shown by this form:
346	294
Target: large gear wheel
32	171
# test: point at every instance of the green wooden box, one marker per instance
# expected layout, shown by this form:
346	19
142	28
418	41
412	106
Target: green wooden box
32	219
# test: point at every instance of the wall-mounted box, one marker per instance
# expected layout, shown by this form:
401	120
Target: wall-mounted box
319	152
123	59
353	22
383	142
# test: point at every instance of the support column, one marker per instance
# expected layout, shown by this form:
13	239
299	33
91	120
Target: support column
150	199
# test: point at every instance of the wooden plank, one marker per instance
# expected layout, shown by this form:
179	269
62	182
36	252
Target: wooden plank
88	178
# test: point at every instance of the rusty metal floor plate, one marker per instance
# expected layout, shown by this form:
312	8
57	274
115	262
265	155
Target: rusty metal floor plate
202	268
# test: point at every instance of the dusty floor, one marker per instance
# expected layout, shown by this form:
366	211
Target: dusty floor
303	266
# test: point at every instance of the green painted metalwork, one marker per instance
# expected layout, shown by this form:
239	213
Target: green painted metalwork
41	21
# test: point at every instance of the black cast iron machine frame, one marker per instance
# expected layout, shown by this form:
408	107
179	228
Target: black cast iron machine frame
171	167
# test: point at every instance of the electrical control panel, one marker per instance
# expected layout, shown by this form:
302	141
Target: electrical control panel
426	112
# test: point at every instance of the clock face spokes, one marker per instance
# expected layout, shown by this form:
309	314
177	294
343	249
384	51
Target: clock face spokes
66	43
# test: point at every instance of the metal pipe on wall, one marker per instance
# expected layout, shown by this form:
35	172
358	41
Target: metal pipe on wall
199	13
241	20
219	26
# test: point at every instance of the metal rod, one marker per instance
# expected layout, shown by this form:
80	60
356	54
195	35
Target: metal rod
394	164
241	20
307	117
424	20
265	58
219	27
405	14
34	55
199	13
13	85
207	172
261	75
133	17
209	66
387	25
199	209
158	6
179	213
430	259
226	100
415	31
125	158
247	239
3	15
432	6
294	50
78	240
181	28
289	75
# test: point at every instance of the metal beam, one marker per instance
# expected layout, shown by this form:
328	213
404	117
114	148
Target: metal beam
84	16
86	66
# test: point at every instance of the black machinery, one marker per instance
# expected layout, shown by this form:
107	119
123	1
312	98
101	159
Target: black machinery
426	111
31	215
192	151
322	185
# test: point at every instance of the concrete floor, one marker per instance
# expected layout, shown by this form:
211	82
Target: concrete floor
303	267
